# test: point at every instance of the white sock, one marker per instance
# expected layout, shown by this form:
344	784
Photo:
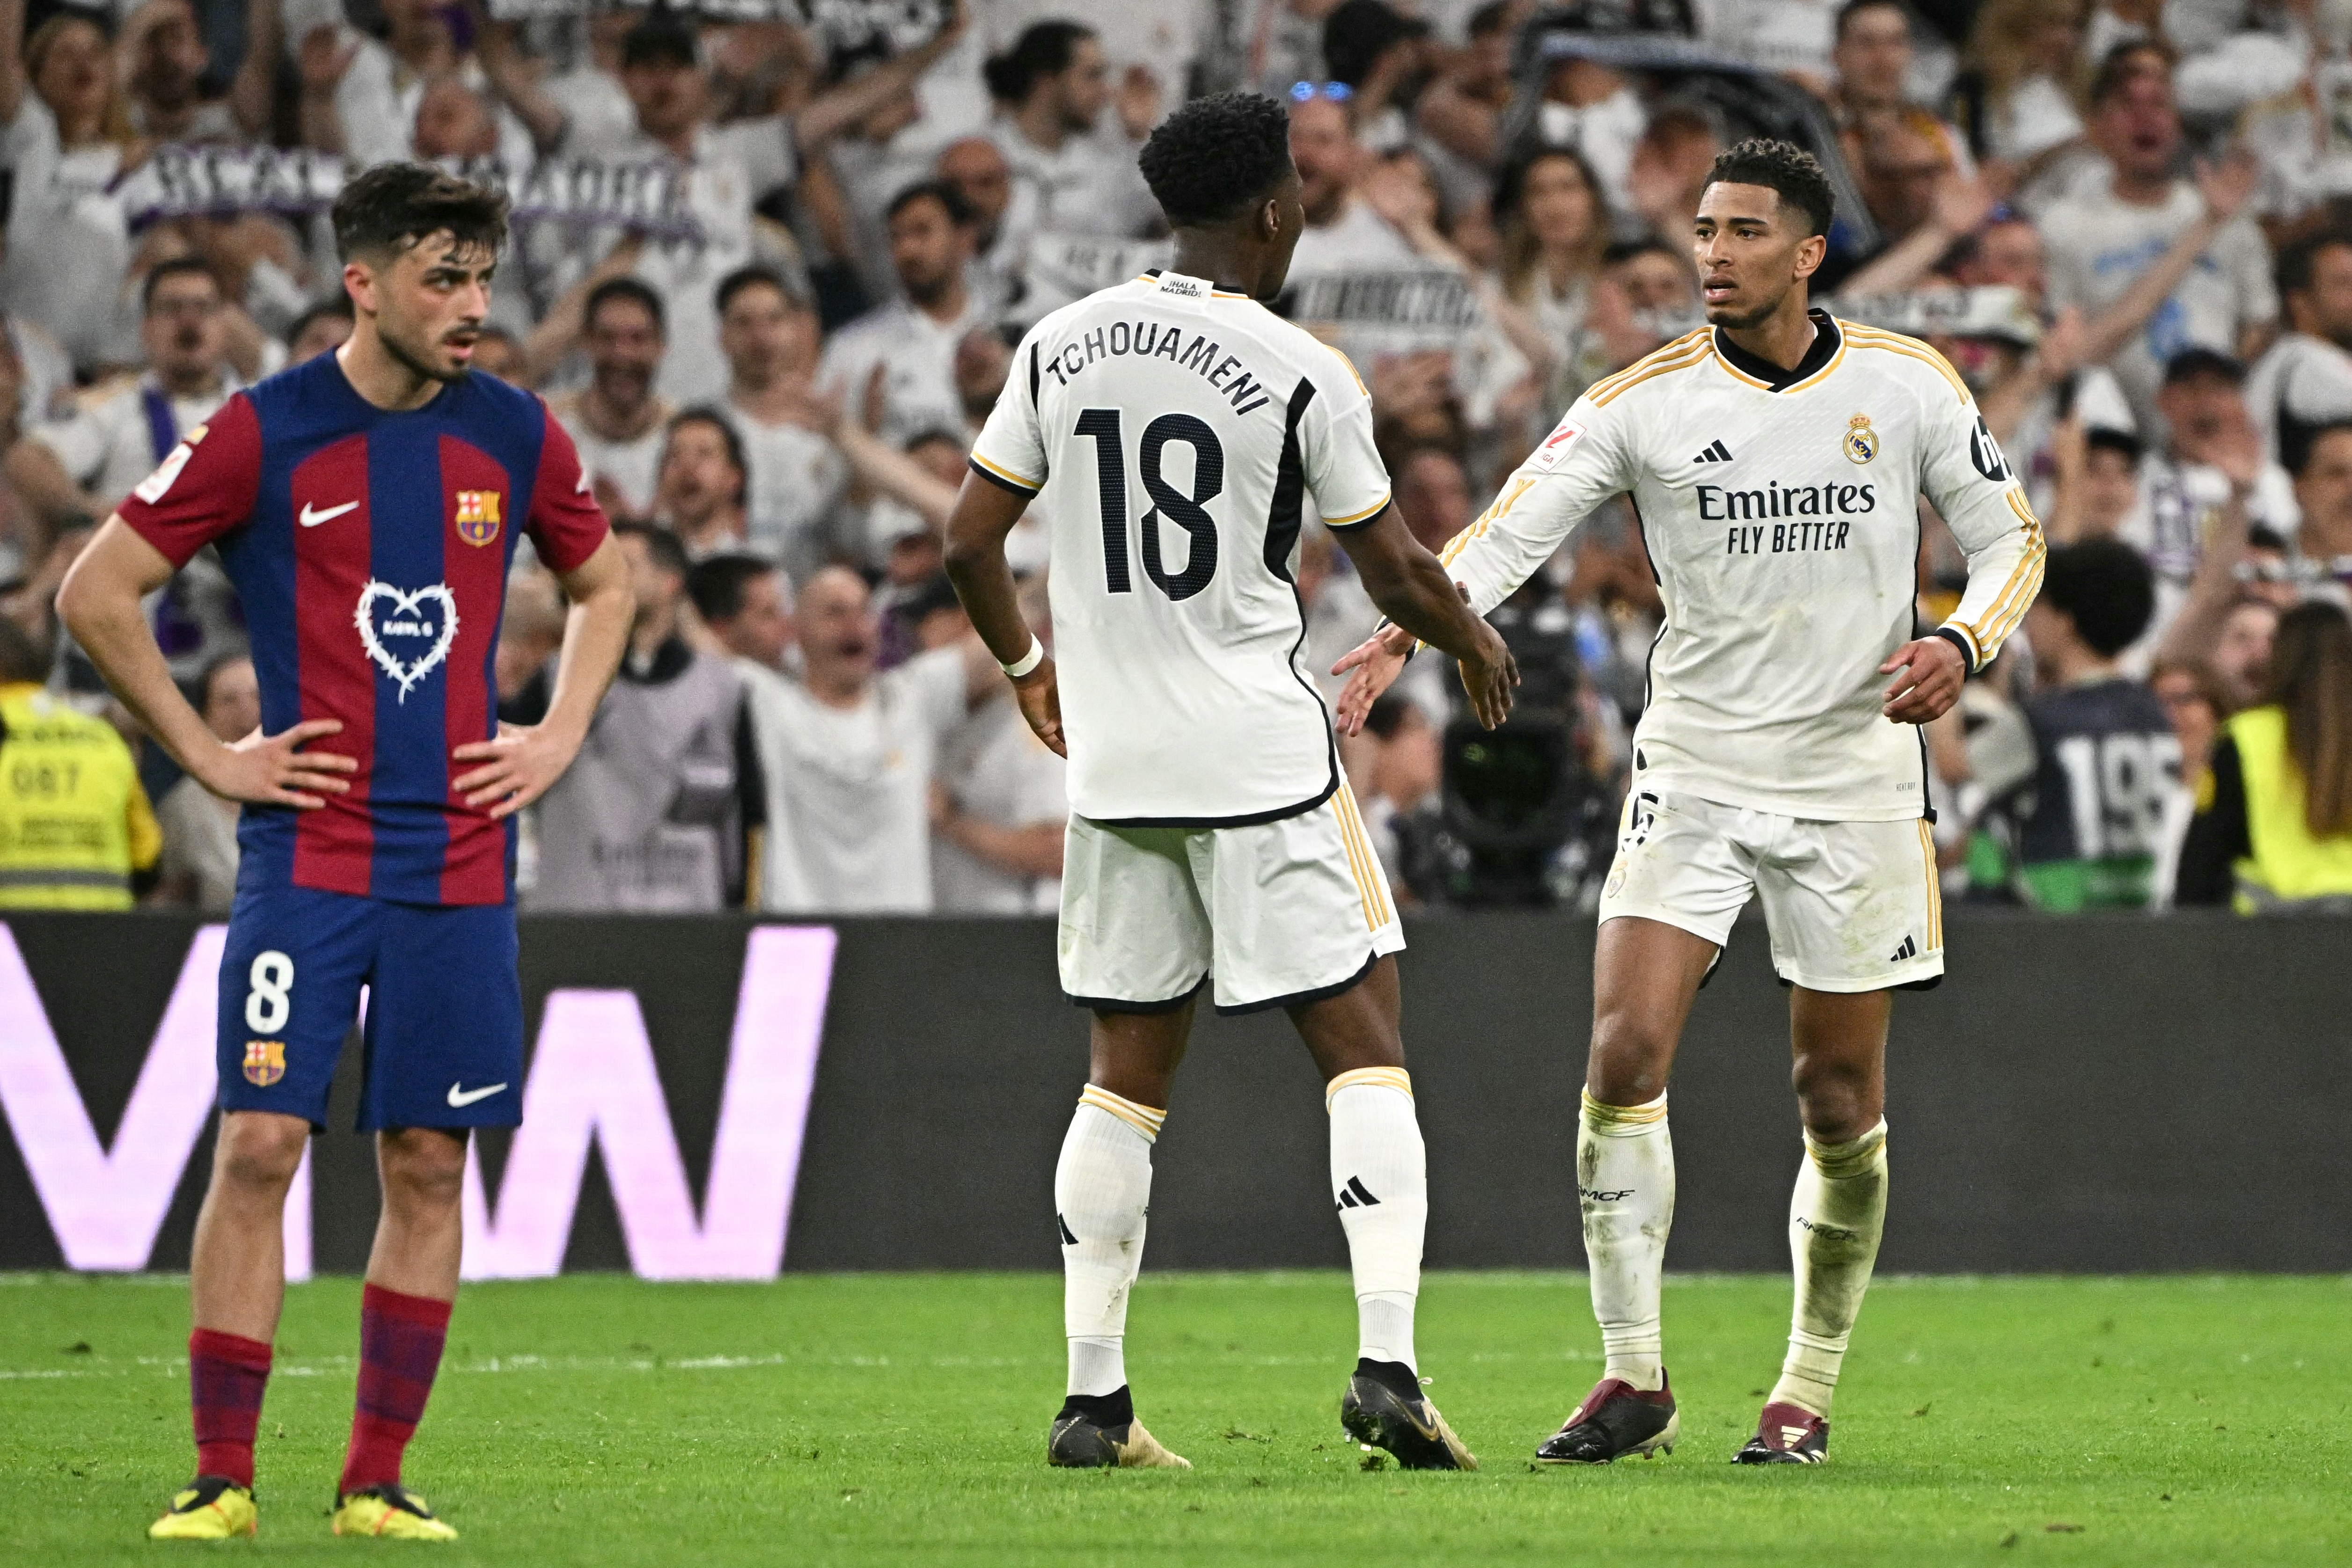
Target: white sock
1102	1188
1380	1184
1625	1188
1835	1222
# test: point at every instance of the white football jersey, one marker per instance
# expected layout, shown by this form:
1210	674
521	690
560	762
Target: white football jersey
1173	433
1780	509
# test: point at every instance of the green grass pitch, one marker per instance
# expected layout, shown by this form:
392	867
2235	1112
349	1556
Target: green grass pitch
902	1419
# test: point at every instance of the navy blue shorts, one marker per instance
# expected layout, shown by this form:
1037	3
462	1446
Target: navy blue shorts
444	1027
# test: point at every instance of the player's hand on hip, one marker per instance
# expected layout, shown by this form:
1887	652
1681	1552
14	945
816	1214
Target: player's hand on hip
521	763
1490	678
1039	692
1932	671
1376	662
274	770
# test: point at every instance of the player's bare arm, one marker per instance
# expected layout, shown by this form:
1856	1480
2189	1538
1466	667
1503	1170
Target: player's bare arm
984	516
100	602
1411	589
523	761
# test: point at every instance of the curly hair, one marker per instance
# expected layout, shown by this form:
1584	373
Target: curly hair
1781	166
1217	155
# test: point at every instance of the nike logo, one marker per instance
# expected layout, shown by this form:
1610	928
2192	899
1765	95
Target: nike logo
312	516
461	1098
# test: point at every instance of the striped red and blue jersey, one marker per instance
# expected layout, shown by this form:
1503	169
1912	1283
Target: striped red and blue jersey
370	548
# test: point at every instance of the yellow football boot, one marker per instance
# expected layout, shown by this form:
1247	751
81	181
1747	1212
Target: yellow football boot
391	1511
212	1508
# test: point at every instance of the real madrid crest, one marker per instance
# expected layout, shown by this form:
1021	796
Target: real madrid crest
1861	440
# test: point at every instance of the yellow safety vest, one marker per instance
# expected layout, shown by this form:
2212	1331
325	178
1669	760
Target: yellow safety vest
74	823
2289	865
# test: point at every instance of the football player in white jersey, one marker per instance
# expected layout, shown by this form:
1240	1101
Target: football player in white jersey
1776	459
1175	433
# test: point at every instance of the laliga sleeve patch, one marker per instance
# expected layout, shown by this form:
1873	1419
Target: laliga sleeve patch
1556	447
151	488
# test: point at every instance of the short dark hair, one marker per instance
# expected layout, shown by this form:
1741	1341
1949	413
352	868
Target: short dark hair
668	551
339	307
703	413
949	199
394	206
1853	8
2121	65
2190	363
177	267
21	658
1624	250
628	288
1043	49
662	39
1214	157
719	583
1358	32
758	275
2106	438
1492	18
2298	444
1784	168
2299	257
2107	588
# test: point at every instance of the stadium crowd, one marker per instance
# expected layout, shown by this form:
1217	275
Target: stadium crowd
770	265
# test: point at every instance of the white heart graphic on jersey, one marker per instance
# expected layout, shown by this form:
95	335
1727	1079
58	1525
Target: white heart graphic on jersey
405	609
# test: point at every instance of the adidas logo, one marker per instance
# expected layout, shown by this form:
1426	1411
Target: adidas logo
1069	1238
1355	1194
1791	1436
1909	949
1716	452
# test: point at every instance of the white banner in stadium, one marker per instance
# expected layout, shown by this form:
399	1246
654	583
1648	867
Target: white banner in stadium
592	1078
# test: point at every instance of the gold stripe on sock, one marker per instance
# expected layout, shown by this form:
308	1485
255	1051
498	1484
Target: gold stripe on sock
1604	1118
1395	1078
1838	1160
1142	1118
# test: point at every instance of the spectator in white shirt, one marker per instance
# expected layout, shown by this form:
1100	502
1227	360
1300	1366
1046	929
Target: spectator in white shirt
700	494
912	341
102	450
770	338
1343	232
1052	87
981	174
2101	241
617	421
2024	53
747	603
165	61
67	136
850	753
2305	383
729	169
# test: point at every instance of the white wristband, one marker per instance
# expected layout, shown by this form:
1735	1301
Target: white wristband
1028	661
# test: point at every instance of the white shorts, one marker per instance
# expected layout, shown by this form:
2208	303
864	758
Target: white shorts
1851	906
1281	913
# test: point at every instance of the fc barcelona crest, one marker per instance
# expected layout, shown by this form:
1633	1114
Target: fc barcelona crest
477	516
264	1061
1861	440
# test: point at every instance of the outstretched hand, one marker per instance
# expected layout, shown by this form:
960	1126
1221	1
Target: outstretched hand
1376	662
